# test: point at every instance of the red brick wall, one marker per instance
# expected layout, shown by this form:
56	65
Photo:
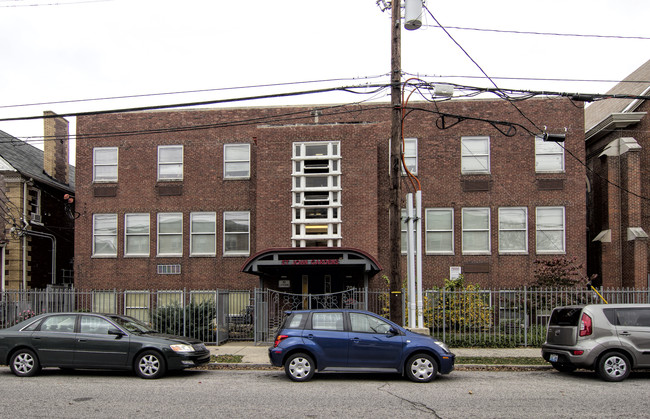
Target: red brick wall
363	132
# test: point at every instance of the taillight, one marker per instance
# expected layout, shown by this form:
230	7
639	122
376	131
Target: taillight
585	325
278	339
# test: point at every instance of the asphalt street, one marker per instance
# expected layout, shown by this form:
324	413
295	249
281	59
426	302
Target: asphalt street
269	394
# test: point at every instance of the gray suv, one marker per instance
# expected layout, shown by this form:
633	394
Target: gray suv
608	338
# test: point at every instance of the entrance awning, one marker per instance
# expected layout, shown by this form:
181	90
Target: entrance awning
272	261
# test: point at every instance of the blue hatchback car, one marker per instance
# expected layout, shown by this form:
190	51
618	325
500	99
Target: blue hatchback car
355	340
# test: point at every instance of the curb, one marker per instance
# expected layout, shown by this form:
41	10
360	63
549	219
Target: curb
457	367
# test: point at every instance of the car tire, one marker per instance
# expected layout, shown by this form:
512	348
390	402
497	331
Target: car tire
421	368
613	366
24	363
149	365
299	367
563	367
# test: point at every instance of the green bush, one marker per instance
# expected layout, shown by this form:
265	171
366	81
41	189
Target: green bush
194	320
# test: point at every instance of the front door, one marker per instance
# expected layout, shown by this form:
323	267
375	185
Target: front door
371	343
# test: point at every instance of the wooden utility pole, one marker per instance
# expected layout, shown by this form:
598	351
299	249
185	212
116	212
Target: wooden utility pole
395	223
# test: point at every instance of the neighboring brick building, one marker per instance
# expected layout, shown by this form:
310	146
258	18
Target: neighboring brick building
617	143
36	218
202	199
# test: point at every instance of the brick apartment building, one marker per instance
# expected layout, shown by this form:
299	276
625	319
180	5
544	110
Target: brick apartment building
296	198
617	143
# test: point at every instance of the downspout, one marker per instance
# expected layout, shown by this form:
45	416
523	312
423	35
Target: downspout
2	270
51	237
24	239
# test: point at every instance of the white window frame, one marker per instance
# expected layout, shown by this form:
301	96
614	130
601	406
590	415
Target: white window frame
503	228
487	231
170	163
432	230
113	234
110	164
175	233
128	234
410	155
466	154
542	149
194	234
230	161
226	233
540	230
317	160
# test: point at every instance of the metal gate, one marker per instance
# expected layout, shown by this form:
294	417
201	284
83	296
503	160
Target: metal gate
270	306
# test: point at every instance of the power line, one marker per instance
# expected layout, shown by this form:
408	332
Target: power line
644	38
349	89
530	79
222	89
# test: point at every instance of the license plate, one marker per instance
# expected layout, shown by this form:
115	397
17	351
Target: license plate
552	358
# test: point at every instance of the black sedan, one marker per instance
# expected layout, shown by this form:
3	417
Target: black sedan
96	341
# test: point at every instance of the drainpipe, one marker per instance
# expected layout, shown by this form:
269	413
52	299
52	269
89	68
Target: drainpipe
51	237
24	239
2	270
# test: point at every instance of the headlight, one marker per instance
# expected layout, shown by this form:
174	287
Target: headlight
182	348
442	345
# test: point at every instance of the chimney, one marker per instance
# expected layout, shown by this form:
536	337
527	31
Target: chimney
55	148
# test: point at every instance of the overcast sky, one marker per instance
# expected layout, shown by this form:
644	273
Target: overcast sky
71	50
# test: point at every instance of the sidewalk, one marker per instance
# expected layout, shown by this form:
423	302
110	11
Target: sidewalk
257	355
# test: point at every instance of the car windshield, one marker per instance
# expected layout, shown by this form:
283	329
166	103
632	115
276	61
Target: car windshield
132	325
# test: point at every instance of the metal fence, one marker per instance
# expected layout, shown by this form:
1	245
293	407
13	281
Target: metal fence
481	318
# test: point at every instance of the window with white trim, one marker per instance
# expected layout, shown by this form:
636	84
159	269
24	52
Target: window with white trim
236	161
550	224
440	231
105	235
410	155
105	164
170	234
316	207
170	162
236	233
513	230
203	234
475	155
549	156
136	234
476	230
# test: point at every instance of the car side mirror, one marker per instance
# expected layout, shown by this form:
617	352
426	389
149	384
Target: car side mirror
392	331
116	332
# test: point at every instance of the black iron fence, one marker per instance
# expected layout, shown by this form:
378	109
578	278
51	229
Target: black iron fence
480	318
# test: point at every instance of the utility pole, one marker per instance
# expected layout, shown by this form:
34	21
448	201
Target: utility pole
395	210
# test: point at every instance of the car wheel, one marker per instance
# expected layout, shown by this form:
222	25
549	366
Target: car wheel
563	367
24	363
299	367
421	368
150	364
613	366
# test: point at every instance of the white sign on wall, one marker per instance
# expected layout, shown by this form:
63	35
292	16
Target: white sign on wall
454	272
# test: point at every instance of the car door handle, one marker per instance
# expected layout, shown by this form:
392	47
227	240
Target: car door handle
626	333
355	340
310	336
82	340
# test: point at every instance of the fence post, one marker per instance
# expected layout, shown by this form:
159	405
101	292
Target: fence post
525	316
444	315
